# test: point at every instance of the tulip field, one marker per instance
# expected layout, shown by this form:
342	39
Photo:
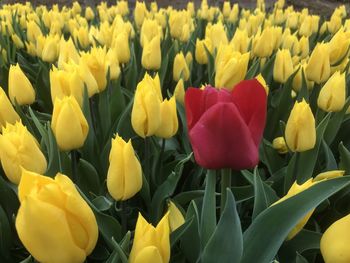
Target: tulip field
142	134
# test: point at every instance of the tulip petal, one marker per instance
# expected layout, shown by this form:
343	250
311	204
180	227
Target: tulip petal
221	139
250	98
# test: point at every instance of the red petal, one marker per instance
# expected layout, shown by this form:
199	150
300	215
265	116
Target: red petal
193	101
221	139
250	98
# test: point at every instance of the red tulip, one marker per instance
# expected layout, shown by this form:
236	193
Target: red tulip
226	127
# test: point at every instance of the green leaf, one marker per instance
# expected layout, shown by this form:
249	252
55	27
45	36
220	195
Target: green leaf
266	234
180	231
190	240
263	193
344	158
300	259
5	236
226	243
88	179
166	189
208	216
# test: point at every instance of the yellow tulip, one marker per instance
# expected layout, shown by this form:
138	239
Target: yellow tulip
179	92
231	67
95	60
263	44
145	115
33	31
180	68
65	83
333	93
306	27
67	52
124	178
69	124
200	52
176	219
89	13
217	34
47	202
339	47
334	24
240	41
151	54
81	36
151	244
7	112
318	68
18	148
279	144
298	78
149	30
226	9
123	8
17	41
283	66
19	87
140	12
168	119
304	47
50	49
335	240
122	47
296	189
300	131
262	81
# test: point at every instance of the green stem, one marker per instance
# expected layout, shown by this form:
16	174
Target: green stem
295	168
123	216
225	183
147	158
74	162
208	217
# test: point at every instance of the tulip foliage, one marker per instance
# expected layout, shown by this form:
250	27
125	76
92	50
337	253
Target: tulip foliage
145	134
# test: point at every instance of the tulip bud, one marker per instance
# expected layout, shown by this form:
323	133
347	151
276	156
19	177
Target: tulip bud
180	68
231	67
333	93
151	54
19	87
318	68
283	66
89	13
262	44
33	31
96	62
50	50
124	178
145	115
226	9
334	241
81	36
17	41
304	47
149	30
262	81
200	53
47	202
122	47
217	34
179	92
240	41
168	119
189	58
339	47
140	13
298	79
18	148
300	131
7	112
69	124
306	27
176	219
279	144
67	52
151	244
65	83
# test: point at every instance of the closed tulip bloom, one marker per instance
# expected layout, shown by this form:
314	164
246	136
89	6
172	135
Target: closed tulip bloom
69	124
176	219
17	41
89	13
122	47
226	9
304	47
47	202
335	240
333	93
217	34
306	27
240	41
300	131
19	87
283	66
124	178
180	68
179	92
50	49
95	60
151	54
318	68
339	46
113	63
231	68
145	115
262	43
63	83
67	52
296	189
140	12
149	30
7	112
279	144
200	52
221	120
298	78
151	244
262	81
33	31
169	122
19	148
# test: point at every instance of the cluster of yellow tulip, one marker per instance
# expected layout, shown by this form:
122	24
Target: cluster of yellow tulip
98	122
